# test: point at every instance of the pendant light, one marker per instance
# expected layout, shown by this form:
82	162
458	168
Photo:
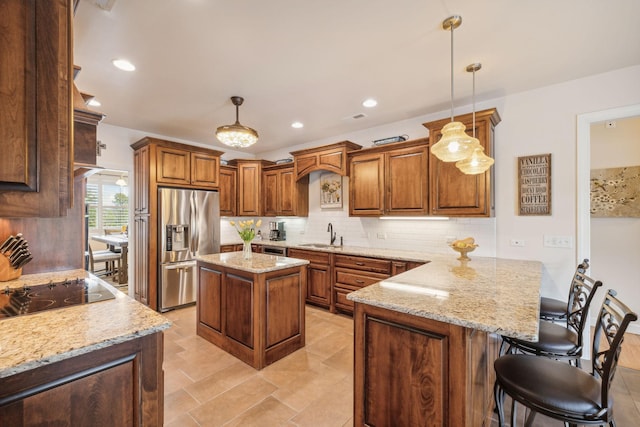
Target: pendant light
121	181
455	144
237	135
478	162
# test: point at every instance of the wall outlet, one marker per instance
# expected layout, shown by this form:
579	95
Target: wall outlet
517	242
382	236
558	241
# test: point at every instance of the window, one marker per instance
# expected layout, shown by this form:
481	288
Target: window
107	202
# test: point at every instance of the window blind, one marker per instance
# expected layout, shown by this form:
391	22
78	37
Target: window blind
108	203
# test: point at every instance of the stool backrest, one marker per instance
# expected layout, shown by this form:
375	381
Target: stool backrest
613	320
581	269
583	289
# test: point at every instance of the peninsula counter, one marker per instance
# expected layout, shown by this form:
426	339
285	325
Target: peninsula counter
253	309
425	340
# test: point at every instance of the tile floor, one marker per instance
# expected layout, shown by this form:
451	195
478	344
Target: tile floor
204	386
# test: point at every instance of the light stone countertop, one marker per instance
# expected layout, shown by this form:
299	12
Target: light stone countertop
392	254
488	294
33	340
259	263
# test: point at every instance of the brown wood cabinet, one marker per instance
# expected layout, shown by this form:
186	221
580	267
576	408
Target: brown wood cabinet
259	318
318	275
332	158
451	192
389	180
36	122
228	191
119	385
282	194
160	163
355	272
250	186
414	371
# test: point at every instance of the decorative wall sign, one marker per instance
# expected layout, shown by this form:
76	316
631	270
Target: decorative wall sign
615	192
534	185
330	190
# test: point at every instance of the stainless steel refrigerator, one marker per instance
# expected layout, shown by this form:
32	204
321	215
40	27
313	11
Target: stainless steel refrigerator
189	225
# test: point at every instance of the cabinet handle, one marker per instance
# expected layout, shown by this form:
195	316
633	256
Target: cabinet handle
359	263
360	282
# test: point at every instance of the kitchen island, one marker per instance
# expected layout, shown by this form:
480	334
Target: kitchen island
82	364
425	340
252	308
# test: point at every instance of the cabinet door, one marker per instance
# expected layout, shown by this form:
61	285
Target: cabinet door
205	170
141	180
173	166
141	264
406	181
210	298
287	192
271	192
319	284
35	108
366	185
249	189
228	199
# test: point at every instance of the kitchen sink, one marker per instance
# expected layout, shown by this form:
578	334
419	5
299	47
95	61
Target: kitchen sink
318	245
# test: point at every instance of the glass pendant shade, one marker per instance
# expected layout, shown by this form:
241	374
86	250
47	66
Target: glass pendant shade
237	135
455	144
475	164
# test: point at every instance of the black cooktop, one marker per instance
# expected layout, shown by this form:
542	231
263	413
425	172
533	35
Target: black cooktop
32	299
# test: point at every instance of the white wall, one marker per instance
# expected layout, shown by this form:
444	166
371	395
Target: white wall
533	122
615	244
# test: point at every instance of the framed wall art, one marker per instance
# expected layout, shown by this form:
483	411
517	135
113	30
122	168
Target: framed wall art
615	192
330	190
534	185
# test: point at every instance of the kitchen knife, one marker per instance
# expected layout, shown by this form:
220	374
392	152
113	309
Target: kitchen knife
16	254
14	245
17	263
24	261
7	243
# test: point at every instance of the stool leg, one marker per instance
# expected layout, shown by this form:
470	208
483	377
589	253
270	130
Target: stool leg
498	395
513	412
529	420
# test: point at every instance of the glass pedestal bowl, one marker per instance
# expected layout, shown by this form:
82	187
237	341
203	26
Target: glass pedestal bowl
464	251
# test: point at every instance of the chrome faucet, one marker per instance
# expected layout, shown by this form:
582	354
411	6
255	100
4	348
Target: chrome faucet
332	234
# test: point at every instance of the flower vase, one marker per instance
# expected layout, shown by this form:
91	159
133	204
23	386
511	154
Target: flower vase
246	250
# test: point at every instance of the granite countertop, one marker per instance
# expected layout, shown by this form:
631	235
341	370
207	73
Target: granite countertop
259	263
392	254
33	340
488	294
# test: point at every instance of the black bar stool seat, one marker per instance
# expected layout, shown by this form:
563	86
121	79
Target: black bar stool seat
552	309
553	339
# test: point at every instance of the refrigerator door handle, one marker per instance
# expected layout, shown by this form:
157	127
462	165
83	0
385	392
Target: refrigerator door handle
194	241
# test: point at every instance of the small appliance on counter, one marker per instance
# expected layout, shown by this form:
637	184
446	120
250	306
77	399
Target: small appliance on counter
276	231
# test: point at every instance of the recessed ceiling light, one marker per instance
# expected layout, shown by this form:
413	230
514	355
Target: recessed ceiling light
123	64
297	125
369	103
94	102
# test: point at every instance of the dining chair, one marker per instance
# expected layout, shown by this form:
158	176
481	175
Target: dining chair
562	391
555	309
561	341
110	259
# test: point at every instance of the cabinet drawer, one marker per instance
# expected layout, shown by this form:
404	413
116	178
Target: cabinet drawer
311	256
353	278
362	263
341	301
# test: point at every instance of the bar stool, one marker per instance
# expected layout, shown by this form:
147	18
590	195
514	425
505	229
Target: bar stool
555	309
559	390
110	259
556	340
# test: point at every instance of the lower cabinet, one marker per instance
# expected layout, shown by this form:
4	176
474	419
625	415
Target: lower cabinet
412	371
119	385
318	276
355	272
257	317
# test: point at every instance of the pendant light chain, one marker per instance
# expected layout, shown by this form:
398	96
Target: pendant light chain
473	101
452	72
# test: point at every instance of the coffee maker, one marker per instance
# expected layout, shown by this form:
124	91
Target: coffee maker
276	231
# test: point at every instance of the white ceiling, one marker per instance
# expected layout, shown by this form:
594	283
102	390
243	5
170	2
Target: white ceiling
316	61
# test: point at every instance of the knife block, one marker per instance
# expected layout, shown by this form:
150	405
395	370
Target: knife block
6	271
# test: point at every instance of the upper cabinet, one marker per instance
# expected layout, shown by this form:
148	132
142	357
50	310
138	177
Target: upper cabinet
85	128
451	192
36	122
389	180
228	191
332	158
249	186
188	167
282	194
